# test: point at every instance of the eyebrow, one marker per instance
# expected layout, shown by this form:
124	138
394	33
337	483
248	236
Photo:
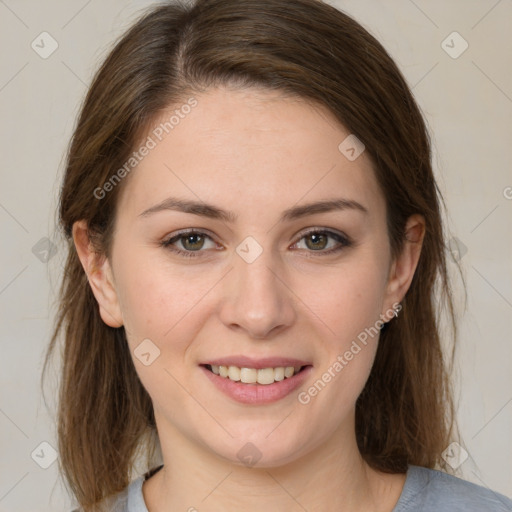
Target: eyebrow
214	212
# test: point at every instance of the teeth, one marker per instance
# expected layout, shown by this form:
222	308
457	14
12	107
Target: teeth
249	375
279	373
266	376
288	371
252	375
234	373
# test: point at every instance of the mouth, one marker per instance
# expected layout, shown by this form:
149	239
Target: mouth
256	381
263	376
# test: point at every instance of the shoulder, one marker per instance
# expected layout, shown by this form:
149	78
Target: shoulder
428	490
129	499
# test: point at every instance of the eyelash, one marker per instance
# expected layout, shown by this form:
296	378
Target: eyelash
341	239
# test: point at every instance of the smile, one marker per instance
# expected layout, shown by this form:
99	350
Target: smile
264	376
256	381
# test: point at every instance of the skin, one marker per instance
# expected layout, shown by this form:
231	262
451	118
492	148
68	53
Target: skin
257	154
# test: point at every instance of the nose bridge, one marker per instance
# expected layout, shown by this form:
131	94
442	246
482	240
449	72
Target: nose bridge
259	301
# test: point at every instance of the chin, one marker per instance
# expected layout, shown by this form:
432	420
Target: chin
261	450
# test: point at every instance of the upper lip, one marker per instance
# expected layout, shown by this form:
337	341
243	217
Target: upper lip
264	362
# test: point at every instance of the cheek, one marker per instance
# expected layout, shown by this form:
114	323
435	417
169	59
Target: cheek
161	302
160	312
347	298
349	313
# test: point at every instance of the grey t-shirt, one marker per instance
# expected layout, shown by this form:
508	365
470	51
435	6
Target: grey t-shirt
425	490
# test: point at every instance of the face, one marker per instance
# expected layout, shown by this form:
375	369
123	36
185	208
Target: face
267	283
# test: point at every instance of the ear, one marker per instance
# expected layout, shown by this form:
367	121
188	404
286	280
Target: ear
403	267
99	274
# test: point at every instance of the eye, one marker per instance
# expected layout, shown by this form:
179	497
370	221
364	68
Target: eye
190	241
318	241
323	242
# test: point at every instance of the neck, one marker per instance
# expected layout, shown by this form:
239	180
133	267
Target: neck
332	476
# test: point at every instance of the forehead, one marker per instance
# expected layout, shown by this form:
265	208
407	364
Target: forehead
248	150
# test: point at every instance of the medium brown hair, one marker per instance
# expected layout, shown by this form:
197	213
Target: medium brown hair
304	48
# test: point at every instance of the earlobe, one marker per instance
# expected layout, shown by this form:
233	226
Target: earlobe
99	275
403	268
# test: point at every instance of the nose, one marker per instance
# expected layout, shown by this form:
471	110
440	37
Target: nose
257	299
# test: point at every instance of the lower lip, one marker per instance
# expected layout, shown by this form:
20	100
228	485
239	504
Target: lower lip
257	394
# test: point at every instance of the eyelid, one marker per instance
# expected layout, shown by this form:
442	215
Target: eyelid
190	231
329	231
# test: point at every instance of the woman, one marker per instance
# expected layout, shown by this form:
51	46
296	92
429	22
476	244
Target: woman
254	238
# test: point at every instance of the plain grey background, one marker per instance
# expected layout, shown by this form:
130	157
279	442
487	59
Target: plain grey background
466	97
